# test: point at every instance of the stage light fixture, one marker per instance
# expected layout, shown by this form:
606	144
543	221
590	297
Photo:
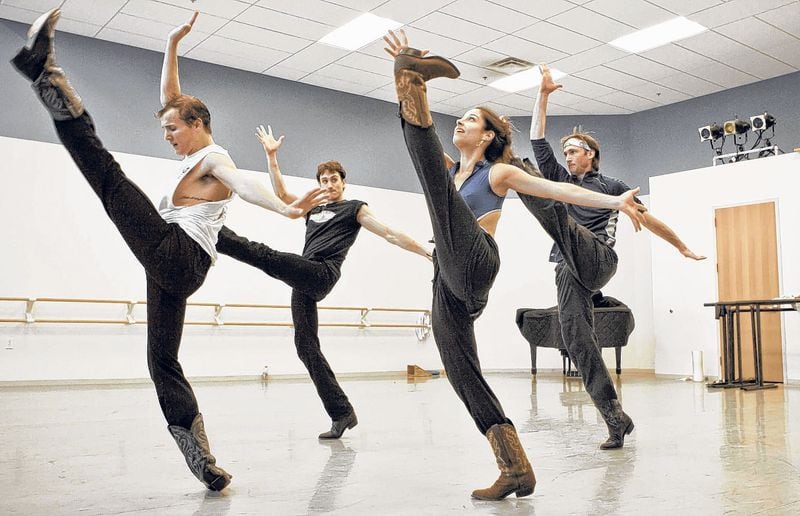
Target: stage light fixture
710	132
736	126
762	122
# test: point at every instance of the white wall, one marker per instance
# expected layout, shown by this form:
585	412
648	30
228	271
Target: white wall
60	243
680	286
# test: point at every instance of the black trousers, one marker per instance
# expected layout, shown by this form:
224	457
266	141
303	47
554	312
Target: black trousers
587	266
175	265
311	281
466	261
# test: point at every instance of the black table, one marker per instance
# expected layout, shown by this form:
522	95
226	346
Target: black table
728	313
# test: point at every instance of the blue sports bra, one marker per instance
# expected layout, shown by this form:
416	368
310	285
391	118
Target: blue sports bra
476	190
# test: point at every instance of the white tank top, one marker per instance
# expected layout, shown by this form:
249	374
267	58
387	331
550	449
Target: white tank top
202	221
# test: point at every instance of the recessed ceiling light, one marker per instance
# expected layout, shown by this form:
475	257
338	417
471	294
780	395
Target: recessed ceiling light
524	80
658	35
360	31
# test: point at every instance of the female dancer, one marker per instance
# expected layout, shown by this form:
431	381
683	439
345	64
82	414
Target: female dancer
465	205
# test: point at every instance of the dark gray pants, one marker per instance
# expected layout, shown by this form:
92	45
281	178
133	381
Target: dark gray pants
311	281
175	265
587	266
466	262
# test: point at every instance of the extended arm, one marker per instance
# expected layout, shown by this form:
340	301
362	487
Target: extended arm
255	192
368	221
170	81
271	146
658	228
507	176
539	117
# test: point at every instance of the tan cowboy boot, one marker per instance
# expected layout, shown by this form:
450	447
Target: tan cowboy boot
516	473
411	71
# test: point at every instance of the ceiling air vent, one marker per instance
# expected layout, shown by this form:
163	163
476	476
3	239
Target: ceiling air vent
510	65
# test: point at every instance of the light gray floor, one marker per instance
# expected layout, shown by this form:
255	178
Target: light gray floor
415	451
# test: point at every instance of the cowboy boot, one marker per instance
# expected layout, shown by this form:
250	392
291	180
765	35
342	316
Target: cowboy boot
516	473
339	426
411	72
36	61
618	422
193	443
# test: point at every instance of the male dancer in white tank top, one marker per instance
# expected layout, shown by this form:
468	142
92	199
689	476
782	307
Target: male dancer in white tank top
175	244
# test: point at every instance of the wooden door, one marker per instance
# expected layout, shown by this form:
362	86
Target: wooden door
747	268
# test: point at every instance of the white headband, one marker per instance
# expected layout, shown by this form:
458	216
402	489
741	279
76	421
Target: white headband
576	142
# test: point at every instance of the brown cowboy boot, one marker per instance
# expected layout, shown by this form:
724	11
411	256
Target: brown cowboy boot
516	473
193	443
411	71
618	422
36	61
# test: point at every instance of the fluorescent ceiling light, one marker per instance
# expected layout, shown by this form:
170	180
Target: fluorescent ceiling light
526	80
360	31
658	35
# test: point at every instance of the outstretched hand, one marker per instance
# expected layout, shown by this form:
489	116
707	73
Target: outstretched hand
631	208
307	202
548	85
689	254
396	44
270	144
179	32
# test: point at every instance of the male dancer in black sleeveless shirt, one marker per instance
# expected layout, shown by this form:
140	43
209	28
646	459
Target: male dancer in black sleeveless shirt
331	229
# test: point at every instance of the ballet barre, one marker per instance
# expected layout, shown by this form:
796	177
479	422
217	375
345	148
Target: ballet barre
728	314
422	327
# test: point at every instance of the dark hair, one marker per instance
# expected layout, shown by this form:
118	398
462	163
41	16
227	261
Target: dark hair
590	141
333	166
499	148
189	109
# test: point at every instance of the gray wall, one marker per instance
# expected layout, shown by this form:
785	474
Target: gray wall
120	87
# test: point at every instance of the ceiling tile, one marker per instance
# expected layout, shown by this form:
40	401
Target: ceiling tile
437	44
628	101
789	54
262	37
636	13
315	10
285	72
335	84
641	67
314	57
241	63
457	29
517	101
565	98
222	8
687	7
553	36
733	10
541	9
513	46
476	97
171	15
154	30
457	86
658	93
786	18
265	57
554	109
600	108
362	77
128	38
689	84
582	87
89	11
611	78
727	50
388	95
369	63
583	21
721	74
477	74
677	57
757	34
479	56
588	59
285	23
489	14
358	5
407	12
